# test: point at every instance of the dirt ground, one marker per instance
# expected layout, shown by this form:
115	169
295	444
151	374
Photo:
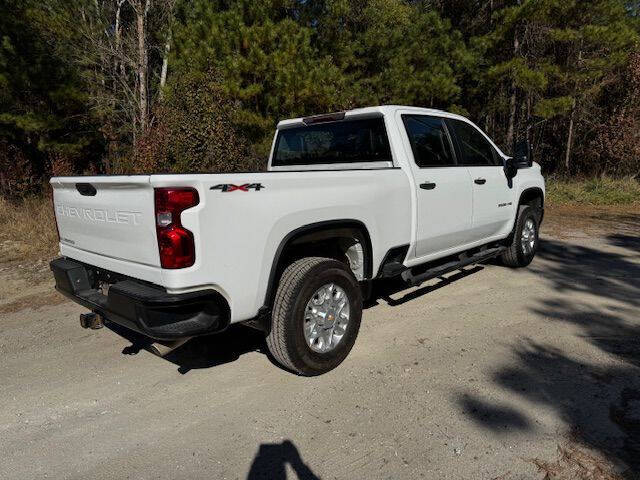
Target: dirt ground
490	374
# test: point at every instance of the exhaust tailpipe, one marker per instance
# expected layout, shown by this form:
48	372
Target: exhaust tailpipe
164	348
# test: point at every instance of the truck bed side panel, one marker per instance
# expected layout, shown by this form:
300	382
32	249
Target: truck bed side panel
238	231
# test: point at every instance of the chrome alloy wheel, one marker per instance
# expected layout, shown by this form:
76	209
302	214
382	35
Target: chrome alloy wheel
326	317
528	238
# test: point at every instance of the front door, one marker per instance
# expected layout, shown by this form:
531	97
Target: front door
443	189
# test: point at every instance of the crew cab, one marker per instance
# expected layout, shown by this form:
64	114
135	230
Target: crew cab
348	199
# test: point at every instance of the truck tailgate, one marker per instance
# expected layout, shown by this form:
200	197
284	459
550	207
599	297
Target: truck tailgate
108	216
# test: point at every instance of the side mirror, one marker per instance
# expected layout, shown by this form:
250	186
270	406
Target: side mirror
510	169
522	156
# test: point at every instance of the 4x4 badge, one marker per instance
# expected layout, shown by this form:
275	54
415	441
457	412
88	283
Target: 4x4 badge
230	187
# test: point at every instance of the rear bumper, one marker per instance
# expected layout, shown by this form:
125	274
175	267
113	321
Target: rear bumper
141	307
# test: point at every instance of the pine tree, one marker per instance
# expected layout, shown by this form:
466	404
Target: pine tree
265	60
41	100
551	58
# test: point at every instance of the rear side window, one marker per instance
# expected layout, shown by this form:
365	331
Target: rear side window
349	141
475	149
429	141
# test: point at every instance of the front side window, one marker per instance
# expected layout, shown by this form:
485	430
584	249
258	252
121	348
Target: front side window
475	149
349	141
429	141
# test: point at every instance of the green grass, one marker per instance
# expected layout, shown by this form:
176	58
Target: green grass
595	191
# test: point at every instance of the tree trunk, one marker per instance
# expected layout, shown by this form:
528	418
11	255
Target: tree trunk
3	184
141	14
118	31
107	158
567	157
514	97
528	124
165	64
117	25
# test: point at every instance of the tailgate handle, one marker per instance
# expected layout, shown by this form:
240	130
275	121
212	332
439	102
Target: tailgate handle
86	189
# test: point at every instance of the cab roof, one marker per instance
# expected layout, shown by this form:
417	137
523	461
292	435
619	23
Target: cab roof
386	110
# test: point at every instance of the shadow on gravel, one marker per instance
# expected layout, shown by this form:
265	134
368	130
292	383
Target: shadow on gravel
599	402
271	460
625	241
202	352
573	268
494	417
384	289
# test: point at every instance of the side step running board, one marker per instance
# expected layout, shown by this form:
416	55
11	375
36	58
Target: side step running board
415	280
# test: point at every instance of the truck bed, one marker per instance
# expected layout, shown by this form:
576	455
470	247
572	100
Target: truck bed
237	227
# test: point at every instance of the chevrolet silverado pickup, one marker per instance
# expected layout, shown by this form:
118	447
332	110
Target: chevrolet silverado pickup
348	199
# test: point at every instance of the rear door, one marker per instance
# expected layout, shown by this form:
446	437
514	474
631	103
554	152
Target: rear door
492	196
443	189
111	217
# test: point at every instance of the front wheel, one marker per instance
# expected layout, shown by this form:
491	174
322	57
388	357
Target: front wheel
524	243
316	316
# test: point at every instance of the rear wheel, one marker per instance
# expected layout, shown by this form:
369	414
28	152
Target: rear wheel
316	316
524	243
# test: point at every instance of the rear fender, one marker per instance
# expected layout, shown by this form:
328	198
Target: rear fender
318	232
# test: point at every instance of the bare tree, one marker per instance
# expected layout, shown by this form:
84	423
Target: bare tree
141	9
121	47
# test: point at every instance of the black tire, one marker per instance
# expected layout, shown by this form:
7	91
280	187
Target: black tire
286	340
516	256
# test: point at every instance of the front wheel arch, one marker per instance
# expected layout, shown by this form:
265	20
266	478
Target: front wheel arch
534	197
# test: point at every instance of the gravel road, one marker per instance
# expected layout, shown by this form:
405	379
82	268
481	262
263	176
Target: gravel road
480	376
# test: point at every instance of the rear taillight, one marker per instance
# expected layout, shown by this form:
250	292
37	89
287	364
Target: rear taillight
176	245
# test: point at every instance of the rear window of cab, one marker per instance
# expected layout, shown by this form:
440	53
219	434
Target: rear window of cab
347	141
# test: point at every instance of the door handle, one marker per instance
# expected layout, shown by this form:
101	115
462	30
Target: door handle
428	186
480	181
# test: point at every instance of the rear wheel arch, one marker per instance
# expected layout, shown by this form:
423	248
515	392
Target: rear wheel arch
320	238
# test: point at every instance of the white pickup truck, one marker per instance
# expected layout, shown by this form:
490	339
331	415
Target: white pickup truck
348	199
